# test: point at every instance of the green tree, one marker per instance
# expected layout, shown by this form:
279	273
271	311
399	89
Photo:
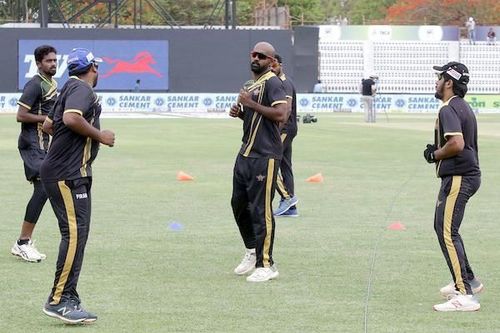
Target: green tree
368	12
304	12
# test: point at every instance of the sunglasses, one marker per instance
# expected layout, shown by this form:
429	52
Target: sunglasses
259	55
441	76
96	65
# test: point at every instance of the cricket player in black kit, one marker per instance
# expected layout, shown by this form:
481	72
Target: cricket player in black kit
39	95
455	153
284	183
262	107
67	177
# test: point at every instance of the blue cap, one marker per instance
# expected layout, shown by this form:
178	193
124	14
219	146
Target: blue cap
79	60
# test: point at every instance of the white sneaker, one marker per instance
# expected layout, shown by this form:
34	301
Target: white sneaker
463	303
27	252
247	264
449	290
263	274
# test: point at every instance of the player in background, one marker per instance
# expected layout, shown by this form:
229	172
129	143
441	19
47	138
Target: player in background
38	97
285	184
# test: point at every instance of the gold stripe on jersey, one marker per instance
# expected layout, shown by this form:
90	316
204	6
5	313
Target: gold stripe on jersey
449	208
261	80
268	214
438	135
74	111
53	87
279	102
39	133
24	105
73	239
260	83
258	116
86	157
453	134
253	134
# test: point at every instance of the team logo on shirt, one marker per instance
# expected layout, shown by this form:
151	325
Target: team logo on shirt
260	178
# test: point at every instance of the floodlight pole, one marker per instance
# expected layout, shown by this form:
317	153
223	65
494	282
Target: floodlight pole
230	14
44	14
226	14
233	14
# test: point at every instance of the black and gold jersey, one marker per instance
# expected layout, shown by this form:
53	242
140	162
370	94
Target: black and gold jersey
39	95
71	155
261	136
457	118
290	127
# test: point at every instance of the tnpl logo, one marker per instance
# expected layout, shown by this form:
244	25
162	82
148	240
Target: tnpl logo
61	65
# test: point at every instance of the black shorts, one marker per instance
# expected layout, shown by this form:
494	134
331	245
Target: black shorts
32	159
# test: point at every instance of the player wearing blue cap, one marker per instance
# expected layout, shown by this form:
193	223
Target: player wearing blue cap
67	177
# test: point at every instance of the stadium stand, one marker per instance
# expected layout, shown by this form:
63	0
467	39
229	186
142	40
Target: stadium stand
405	66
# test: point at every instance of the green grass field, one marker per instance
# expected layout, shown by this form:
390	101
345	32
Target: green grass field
341	270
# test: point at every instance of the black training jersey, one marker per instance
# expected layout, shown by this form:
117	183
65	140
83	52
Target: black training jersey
290	126
71	154
366	87
457	118
39	96
261	136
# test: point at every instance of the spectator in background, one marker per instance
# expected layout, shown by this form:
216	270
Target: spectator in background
368	89
137	86
318	87
471	30
491	37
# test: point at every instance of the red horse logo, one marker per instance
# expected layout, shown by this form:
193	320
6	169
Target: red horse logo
140	64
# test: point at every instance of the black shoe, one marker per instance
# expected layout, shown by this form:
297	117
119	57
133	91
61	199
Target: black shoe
69	311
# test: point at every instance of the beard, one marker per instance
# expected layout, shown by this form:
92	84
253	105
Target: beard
439	94
52	71
256	68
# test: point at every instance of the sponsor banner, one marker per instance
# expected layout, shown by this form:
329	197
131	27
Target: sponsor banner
389	103
219	104
167	102
353	103
427	33
8	102
126	66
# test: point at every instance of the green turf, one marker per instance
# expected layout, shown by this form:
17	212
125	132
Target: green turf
139	276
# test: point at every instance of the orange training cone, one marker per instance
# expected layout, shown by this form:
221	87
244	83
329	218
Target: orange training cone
317	178
182	176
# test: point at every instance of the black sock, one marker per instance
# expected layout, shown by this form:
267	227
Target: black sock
22	241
